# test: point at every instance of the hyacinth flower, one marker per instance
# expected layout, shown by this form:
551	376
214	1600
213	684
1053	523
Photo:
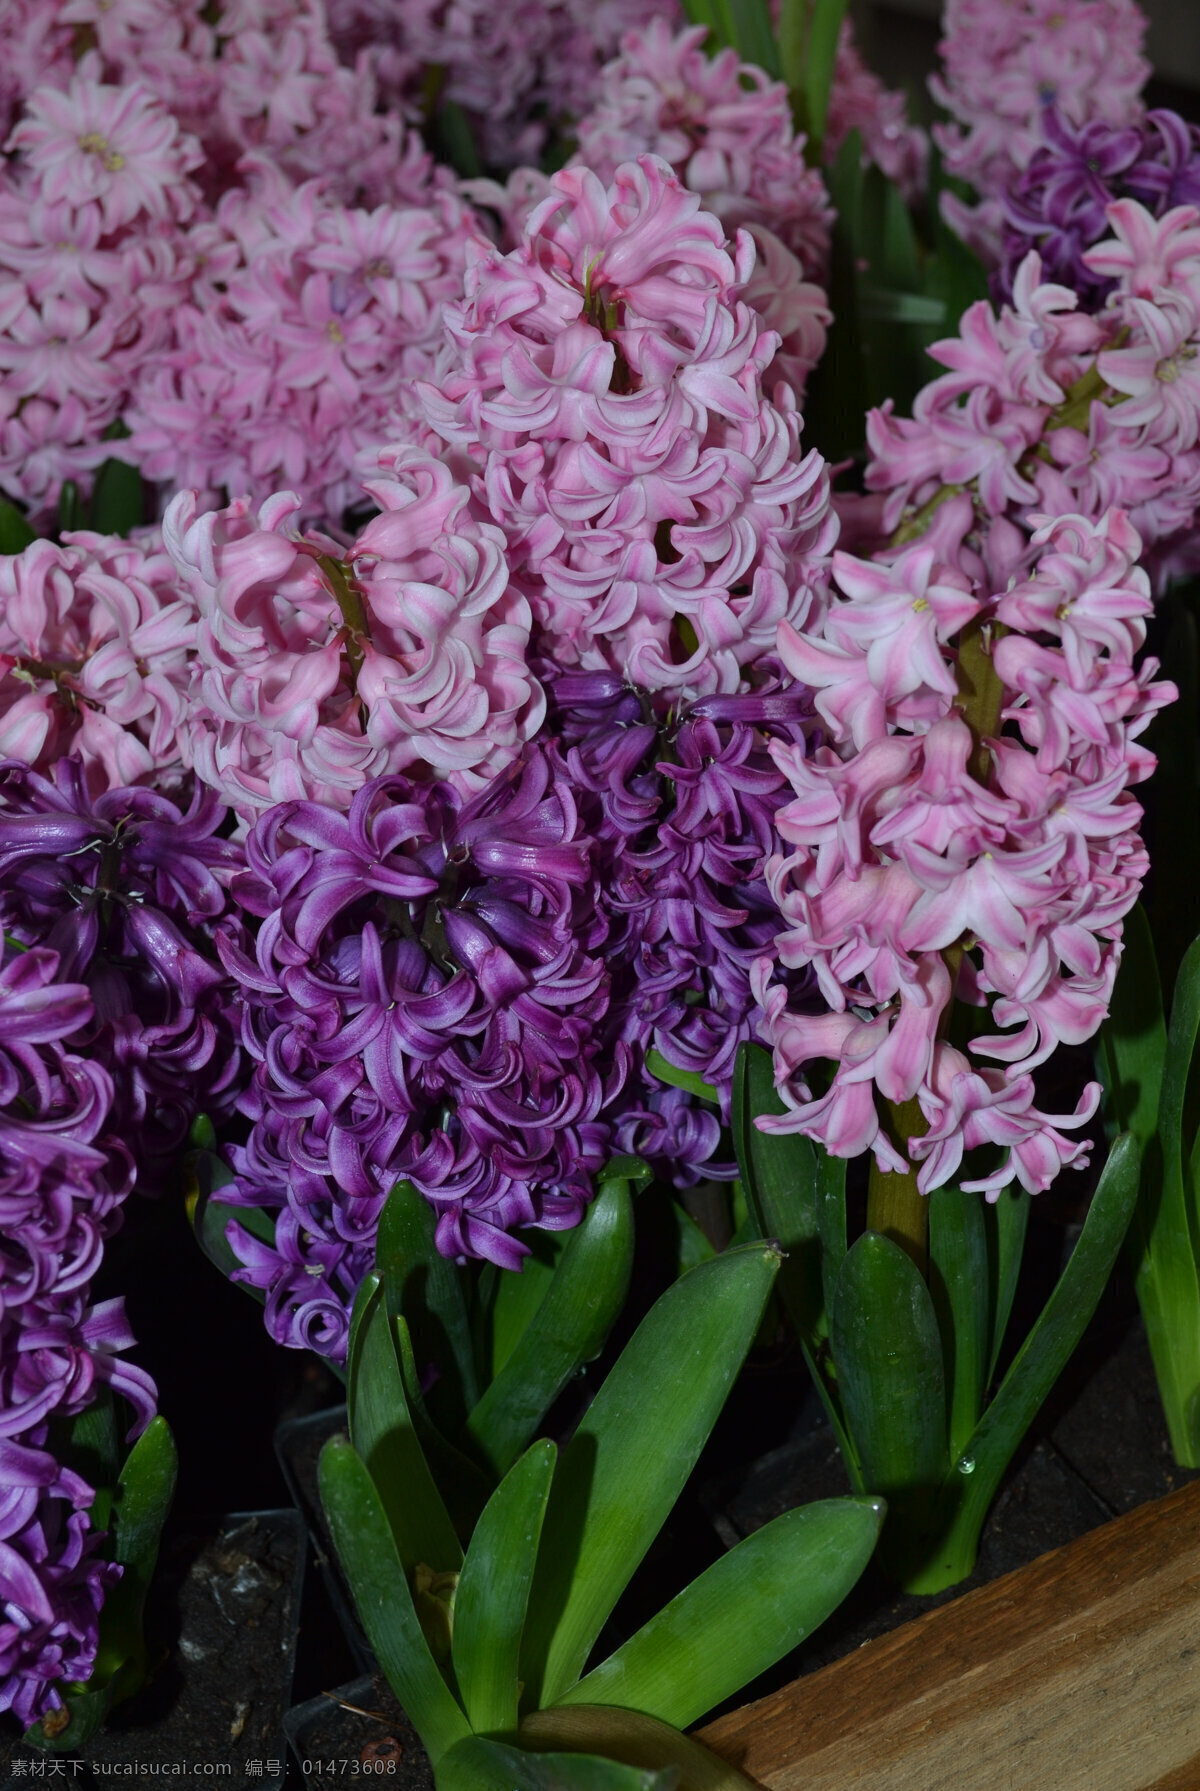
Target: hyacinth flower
959	860
73	1568
484	1594
489	997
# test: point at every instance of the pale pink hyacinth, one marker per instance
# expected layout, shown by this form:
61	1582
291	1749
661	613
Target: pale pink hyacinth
96	640
92	267
1046	410
603	383
318	667
1004	65
858	101
726	129
913	874
305	321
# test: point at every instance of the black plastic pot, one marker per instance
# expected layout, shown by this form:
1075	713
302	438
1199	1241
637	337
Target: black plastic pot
356	1730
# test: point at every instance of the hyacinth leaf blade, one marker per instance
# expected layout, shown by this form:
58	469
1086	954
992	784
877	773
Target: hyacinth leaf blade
424	1286
891	1378
568	1328
70	507
142	1500
797	1195
15	532
518	1296
385	1438
779	1174
634	1448
479	1764
493	1591
837	394
825	25
1146	1072
741	1615
88	1444
670	1073
745	25
366	1549
116	506
959	1285
691	1244
1053	1339
634	1738
463	1484
1176	808
1006	1220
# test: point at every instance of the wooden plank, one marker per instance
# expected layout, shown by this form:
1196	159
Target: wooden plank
1080	1672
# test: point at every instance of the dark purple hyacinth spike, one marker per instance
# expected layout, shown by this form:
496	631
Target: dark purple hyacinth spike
63	1178
125	887
1058	205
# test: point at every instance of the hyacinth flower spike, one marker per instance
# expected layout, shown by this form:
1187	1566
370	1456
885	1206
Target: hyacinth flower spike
485	1624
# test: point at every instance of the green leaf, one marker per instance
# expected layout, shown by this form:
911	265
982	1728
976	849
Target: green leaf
1053	1339
778	1171
520	1292
480	1765
366	1550
959	1285
636	1739
568	1328
740	1616
117	506
144	1490
70	509
889	1362
493	1591
746	24
665	1071
428	1290
901	307
1006	1220
463	1485
825	25
691	1244
629	1457
15	532
384	1438
1133	1040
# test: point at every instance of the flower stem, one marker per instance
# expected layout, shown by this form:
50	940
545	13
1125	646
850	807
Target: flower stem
895	1206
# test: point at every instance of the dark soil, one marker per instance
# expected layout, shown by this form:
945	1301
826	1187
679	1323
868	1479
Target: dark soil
222	1627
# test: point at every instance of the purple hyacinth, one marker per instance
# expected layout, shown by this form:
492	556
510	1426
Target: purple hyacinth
126	887
63	1178
1057	206
683	808
424	998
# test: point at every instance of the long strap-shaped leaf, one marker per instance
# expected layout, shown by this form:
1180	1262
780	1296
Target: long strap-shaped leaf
889	1360
1146	1073
493	1591
637	1739
477	1764
1045	1352
636	1445
367	1551
958	1282
740	1616
568	1328
426	1289
383	1434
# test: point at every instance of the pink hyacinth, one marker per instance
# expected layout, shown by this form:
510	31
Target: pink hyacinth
91	270
304	323
604	384
318	668
96	639
926	858
1047	410
1005	65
